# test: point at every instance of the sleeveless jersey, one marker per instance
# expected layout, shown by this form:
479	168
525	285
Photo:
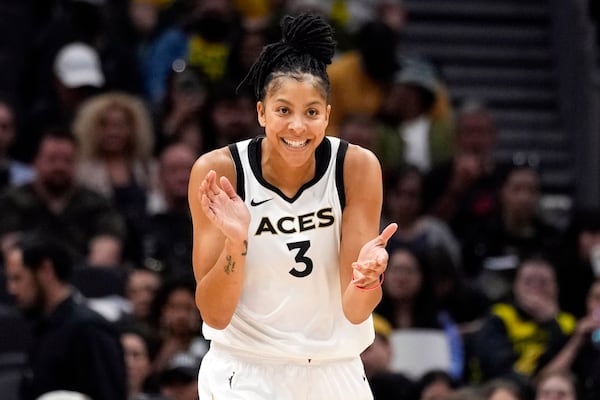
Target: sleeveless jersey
290	306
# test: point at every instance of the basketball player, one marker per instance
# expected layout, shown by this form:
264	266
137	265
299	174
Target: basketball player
287	257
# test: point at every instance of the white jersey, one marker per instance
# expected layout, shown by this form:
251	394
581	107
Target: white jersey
290	306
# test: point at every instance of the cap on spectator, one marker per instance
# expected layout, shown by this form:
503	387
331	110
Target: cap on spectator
417	72
63	395
78	64
382	326
181	368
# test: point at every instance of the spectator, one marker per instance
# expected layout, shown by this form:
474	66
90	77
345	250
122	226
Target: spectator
141	383
140	289
231	115
181	113
77	76
522	336
578	260
464	189
556	385
409	133
502	389
179	379
55	204
74	347
176	321
359	78
494	247
203	39
116	138
12	172
409	302
435	385
403	205
168	238
385	383
581	354
359	129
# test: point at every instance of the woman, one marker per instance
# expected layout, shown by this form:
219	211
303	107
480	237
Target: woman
286	255
115	133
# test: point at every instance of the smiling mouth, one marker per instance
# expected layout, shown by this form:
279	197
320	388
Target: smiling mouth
296	144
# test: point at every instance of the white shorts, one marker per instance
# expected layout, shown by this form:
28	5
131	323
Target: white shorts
227	374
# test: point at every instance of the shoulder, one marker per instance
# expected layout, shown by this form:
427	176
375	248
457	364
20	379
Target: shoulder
360	159
218	160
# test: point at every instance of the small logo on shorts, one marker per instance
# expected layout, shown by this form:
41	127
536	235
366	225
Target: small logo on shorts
231	379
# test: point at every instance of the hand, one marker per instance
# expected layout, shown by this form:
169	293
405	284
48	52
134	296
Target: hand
541	308
372	259
224	208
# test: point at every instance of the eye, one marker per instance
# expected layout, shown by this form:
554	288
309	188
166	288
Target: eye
312	112
283	110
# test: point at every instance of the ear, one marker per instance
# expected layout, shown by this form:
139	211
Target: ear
46	271
327	112
260	110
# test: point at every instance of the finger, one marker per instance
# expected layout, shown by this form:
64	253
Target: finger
228	188
387	233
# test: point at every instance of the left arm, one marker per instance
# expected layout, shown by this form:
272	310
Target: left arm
363	253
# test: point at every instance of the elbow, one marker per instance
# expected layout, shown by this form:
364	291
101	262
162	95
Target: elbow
355	318
217	322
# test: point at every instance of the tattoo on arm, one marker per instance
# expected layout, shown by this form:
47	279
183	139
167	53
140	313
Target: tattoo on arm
230	265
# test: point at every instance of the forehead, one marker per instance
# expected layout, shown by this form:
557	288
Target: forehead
288	84
14	260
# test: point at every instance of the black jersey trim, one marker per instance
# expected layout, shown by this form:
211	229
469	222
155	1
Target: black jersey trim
339	172
322	157
239	171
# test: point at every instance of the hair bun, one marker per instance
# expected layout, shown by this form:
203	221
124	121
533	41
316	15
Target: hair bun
309	34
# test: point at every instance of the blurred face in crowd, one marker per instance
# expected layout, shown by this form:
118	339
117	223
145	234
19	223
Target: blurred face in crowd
378	356
234	119
403	277
404	201
535	277
55	165
593	298
180	314
23	284
141	289
115	131
503	394
555	387
520	194
437	390
7	128
175	165
476	133
137	360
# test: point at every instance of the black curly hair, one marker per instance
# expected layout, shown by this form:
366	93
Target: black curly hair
306	47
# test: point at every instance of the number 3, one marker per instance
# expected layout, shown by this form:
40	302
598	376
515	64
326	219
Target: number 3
302	247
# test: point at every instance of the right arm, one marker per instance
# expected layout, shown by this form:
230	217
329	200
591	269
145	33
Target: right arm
220	221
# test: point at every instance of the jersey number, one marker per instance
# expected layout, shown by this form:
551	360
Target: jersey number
302	247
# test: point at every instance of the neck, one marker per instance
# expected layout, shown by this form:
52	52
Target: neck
55	296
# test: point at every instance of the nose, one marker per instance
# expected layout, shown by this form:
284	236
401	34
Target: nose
297	124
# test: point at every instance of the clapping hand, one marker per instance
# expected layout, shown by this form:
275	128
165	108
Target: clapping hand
224	208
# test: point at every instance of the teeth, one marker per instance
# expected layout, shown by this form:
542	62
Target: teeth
295	143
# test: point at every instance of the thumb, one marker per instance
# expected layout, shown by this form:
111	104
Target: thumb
228	188
386	234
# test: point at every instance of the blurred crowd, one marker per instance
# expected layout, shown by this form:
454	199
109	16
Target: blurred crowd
485	297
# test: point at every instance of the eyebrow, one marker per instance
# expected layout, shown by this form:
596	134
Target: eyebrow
311	103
